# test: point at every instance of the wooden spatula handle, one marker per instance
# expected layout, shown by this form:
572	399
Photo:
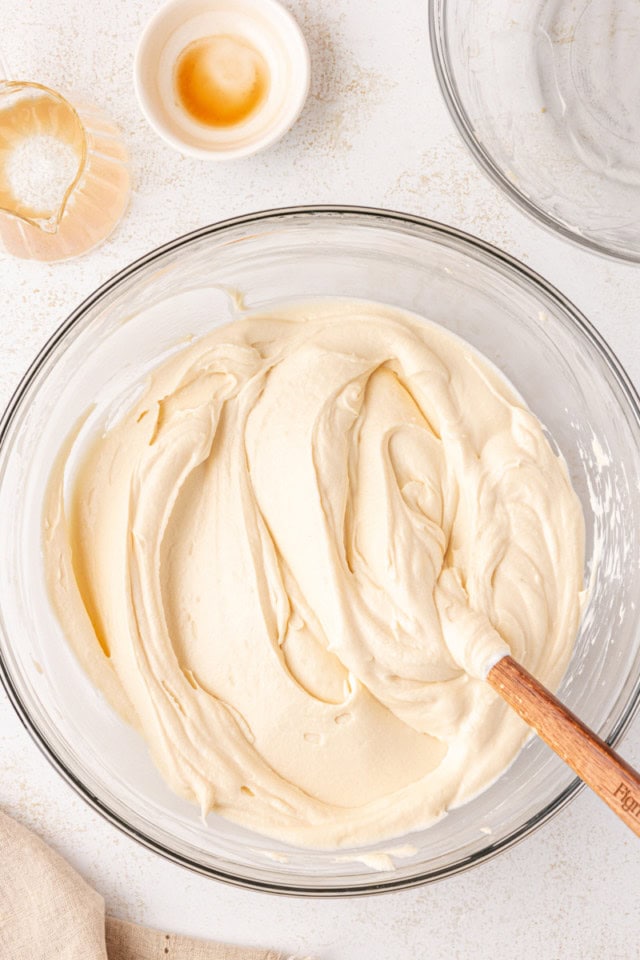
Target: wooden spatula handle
596	763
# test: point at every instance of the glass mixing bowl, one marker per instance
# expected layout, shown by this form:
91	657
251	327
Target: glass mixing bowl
540	341
546	95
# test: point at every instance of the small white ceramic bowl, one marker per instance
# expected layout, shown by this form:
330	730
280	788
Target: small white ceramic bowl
264	24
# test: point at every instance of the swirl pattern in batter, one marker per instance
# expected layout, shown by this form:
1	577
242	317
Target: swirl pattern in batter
291	562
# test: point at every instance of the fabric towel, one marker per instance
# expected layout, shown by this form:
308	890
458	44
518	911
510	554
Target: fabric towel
48	912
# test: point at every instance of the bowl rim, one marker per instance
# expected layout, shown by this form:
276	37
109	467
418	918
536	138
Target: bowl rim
392	219
458	113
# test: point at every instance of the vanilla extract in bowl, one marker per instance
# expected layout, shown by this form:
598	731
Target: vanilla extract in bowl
221	80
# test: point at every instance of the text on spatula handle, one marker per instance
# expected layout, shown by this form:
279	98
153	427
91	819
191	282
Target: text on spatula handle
627	801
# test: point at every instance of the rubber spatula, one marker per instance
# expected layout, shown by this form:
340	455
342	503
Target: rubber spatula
591	758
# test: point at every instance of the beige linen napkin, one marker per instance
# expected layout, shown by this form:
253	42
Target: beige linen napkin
48	912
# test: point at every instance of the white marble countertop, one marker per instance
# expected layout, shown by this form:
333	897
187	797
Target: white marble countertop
375	132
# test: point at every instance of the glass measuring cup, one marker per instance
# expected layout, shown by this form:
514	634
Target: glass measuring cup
64	178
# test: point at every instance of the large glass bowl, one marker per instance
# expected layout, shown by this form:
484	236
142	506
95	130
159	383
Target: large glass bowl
546	95
558	362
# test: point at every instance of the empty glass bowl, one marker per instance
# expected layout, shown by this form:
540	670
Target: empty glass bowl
100	354
546	95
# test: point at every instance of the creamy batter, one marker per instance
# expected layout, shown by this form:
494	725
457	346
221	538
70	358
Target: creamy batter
292	562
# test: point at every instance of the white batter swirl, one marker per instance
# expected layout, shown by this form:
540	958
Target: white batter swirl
291	562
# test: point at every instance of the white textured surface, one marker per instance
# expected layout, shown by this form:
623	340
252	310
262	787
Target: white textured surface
374	132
